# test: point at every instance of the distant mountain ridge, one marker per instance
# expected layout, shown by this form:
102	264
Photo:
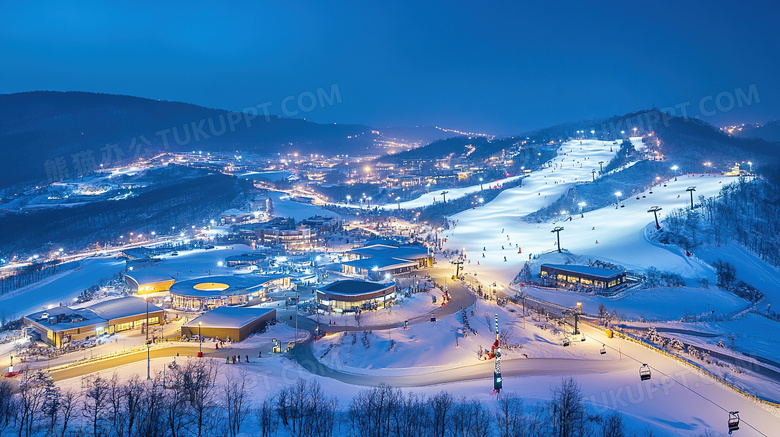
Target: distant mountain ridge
45	132
769	131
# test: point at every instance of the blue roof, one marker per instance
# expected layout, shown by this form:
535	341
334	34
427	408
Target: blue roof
411	251
380	262
585	270
354	287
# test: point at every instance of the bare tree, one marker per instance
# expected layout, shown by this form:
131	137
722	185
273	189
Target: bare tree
371	411
198	383
154	408
441	406
471	419
267	419
132	397
236	403
7	404
32	391
510	415
68	402
305	411
567	410
96	402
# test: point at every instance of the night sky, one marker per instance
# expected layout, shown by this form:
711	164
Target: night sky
494	67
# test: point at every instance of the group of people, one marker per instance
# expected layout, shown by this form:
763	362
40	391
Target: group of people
236	358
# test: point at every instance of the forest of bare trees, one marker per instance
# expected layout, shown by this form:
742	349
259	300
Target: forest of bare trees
193	400
745	212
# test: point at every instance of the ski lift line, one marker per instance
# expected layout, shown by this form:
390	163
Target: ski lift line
742	420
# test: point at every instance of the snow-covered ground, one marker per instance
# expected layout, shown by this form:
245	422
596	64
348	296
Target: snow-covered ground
609	234
428	347
61	288
560	172
283	206
452	193
663	303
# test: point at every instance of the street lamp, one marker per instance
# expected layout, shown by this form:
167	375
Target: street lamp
148	346
348	198
200	339
480	184
674	167
581	205
617	199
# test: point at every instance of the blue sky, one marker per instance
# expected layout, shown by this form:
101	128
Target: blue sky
497	67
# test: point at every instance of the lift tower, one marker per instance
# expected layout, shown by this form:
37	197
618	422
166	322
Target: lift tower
498	382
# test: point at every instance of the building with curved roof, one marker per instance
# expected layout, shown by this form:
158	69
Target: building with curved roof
354	295
216	291
146	281
246	259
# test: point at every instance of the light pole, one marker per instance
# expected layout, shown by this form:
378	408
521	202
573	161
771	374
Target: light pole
348	198
200	339
654	210
674	167
691	190
617	199
558	230
581	205
707	167
480	184
148	346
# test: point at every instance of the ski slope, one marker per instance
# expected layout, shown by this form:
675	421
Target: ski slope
610	234
574	163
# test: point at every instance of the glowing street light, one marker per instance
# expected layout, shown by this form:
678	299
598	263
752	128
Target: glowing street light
617	198
480	184
581	205
674	167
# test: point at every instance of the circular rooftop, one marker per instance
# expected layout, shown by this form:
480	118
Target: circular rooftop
354	286
214	286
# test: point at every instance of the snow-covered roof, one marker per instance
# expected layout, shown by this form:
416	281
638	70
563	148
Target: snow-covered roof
249	256
211	286
230	317
380	262
122	307
148	276
405	252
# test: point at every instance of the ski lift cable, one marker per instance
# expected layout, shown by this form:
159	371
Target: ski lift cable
742	421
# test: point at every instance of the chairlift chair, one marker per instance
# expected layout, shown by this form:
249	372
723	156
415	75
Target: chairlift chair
603	350
733	421
566	342
644	372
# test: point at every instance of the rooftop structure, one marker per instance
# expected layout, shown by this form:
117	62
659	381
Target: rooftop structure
61	325
234	323
216	291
